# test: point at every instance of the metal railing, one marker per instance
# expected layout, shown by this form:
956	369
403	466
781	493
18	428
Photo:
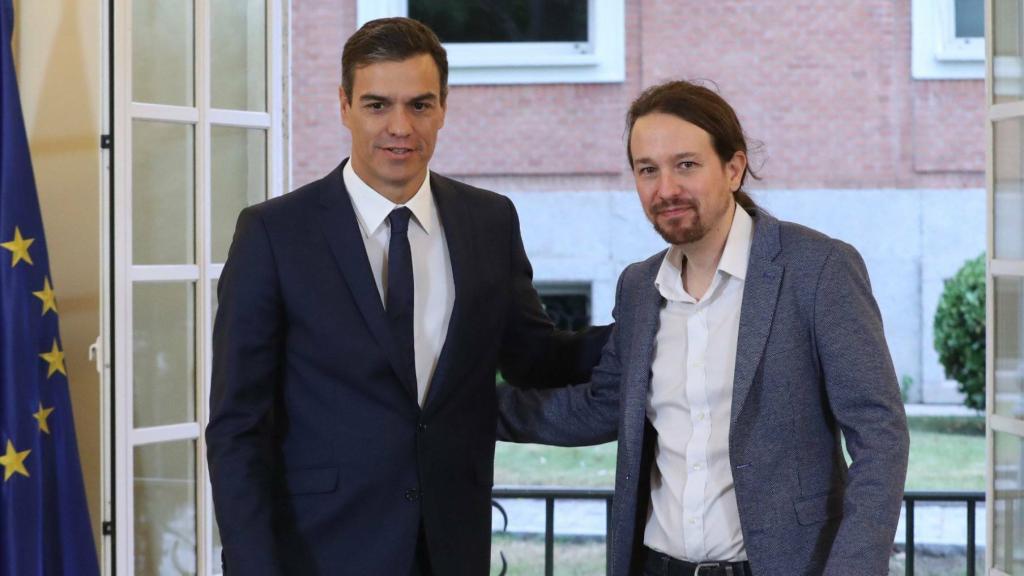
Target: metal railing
550	495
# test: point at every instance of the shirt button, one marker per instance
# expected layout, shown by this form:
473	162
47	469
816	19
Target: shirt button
700	415
412	495
693	520
696	466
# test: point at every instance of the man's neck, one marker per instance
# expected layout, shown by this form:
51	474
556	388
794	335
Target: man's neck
701	258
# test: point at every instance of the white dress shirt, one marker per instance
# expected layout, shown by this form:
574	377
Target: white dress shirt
693	514
433	284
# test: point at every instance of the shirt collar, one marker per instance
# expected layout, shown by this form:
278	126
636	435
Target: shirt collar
733	262
372	208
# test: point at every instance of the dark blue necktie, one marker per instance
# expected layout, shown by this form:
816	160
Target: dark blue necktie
400	298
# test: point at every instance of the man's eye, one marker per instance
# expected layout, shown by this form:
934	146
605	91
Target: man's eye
375	106
646	170
420	106
687	164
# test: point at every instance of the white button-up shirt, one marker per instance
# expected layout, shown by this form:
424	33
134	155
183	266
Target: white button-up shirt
433	283
693	514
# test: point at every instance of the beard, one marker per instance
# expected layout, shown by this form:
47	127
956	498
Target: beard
674	231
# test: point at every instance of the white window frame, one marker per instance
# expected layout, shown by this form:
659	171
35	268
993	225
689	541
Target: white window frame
118	290
601	60
937	54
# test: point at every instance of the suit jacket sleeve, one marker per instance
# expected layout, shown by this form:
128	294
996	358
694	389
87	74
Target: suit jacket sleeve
247	366
577	415
533	352
865	399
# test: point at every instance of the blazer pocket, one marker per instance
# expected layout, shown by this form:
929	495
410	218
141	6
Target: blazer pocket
819	508
312	480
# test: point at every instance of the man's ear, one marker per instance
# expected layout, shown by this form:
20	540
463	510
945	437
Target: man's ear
735	168
346	106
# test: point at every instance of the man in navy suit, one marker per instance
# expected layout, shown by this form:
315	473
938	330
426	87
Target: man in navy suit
362	318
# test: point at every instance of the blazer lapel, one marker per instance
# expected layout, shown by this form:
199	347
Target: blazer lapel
339	225
760	295
646	320
455	219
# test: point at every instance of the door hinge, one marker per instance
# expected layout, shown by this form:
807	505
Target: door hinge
108	528
106	141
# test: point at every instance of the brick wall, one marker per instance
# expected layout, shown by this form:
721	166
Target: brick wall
824	85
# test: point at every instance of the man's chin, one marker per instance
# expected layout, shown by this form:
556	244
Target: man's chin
680	234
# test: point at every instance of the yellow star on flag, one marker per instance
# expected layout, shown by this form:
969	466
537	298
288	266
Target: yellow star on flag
19	247
48	296
56	359
13	462
41	416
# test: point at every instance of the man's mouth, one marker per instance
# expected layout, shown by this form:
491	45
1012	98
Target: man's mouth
398	151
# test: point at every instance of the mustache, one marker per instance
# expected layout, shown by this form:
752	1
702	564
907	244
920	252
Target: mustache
665	205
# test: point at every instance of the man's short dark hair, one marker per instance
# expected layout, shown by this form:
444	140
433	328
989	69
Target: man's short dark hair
702	107
391	40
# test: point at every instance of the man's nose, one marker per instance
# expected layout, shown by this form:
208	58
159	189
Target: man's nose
398	123
667	186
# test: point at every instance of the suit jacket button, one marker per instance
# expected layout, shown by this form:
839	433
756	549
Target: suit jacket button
628	477
421	427
412	495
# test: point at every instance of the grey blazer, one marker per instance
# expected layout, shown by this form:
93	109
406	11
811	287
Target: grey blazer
811	363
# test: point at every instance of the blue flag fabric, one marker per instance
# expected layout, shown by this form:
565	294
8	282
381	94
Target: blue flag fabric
44	520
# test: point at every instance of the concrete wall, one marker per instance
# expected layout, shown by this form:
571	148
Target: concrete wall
58	59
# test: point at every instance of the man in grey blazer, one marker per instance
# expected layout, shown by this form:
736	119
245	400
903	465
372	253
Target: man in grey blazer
741	356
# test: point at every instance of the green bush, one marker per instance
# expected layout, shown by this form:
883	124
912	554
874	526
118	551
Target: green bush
960	331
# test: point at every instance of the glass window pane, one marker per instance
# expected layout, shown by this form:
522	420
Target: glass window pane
238	55
1009	353
1006	51
238	173
1008	483
504	20
165	508
163	355
970	18
163	184
163	46
1008	180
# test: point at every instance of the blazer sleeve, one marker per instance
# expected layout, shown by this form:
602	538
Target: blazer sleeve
579	415
533	352
864	397
247	367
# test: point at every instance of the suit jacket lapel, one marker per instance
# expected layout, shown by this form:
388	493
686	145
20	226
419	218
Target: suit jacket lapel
339	225
455	219
640	356
760	295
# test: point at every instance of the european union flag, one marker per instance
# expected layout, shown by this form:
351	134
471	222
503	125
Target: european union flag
44	521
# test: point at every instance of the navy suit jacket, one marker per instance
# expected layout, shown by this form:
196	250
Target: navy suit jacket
321	460
812	366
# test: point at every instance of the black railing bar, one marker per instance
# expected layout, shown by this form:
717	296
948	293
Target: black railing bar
549	536
970	539
910	538
607	537
936	496
559	493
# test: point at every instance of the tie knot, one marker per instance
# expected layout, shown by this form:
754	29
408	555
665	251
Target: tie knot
399	220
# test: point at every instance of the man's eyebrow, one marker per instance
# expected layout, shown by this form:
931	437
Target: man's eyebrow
675	158
426	96
373	98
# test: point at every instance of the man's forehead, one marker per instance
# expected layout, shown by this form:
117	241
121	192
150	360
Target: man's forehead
416	74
